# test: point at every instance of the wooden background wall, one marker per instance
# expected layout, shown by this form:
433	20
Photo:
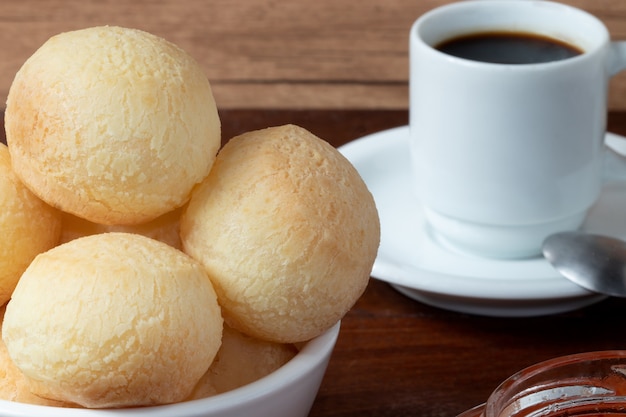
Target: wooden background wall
285	54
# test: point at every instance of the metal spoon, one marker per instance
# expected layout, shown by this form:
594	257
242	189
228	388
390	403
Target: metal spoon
595	262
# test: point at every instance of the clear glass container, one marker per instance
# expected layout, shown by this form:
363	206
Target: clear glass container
591	384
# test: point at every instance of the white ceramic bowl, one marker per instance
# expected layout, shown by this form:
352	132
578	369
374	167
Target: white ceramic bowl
287	392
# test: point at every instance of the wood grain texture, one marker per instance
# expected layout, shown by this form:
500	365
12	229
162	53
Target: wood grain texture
289	54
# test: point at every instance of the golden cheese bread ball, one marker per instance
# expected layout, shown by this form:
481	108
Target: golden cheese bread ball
111	124
242	359
113	320
28	226
287	231
13	384
164	228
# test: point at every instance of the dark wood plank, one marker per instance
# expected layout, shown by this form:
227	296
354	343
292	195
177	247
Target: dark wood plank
397	357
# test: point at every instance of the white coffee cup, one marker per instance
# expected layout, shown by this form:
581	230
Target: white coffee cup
506	154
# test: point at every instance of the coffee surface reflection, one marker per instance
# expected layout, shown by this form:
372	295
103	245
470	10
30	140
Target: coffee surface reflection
508	48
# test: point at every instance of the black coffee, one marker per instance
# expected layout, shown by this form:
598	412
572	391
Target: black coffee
508	48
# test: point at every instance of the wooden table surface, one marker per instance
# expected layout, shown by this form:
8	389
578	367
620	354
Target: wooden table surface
289	54
340	69
398	357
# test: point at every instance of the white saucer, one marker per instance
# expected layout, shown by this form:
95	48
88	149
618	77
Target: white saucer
417	266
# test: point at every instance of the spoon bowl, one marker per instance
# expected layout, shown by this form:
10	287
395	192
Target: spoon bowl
594	262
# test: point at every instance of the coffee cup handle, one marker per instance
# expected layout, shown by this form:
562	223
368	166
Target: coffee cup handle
617	57
614	165
615	162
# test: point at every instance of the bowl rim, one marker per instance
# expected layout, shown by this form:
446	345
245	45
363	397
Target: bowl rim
312	354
